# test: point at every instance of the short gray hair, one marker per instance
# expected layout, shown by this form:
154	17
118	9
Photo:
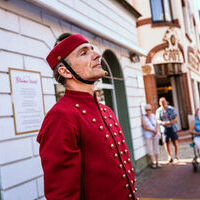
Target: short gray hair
59	78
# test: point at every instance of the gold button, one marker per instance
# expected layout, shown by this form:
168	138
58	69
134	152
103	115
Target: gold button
132	182
119	143
84	112
107	136
124	176
120	132
125	150
115	155
105	117
59	57
123	141
77	105
115	134
127	185
124	162
120	166
110	125
94	120
130	195
101	109
132	169
135	179
134	191
104	109
138	198
129	160
112	146
116	124
101	128
129	171
110	116
121	152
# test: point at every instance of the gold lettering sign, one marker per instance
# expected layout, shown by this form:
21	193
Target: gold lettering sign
171	55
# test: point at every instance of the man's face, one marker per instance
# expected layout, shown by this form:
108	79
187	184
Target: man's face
163	103
86	62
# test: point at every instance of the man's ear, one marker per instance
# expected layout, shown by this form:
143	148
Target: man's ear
63	71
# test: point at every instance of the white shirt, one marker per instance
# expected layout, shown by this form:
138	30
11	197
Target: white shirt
151	124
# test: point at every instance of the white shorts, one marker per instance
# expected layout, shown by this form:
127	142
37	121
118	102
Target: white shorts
152	145
197	142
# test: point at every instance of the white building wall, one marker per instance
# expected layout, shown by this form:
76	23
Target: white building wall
136	98
106	18
27	33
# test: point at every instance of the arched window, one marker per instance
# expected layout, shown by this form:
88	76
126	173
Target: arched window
112	93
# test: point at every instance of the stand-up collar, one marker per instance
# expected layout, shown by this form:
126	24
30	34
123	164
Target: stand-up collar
81	95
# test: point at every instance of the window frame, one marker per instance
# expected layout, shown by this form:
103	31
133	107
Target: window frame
163	11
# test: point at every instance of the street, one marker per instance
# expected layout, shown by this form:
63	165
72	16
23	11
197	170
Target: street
173	181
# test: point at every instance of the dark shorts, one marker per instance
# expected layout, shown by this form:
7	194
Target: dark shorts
170	134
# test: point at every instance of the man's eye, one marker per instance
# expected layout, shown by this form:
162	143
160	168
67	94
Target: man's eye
83	53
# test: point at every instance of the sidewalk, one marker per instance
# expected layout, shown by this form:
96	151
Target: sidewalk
173	181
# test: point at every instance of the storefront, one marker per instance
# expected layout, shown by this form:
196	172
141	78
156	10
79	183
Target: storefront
166	63
171	68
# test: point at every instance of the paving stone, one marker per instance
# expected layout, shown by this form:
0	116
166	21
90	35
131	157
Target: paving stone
176	180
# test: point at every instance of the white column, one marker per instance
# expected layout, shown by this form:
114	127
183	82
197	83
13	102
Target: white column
196	94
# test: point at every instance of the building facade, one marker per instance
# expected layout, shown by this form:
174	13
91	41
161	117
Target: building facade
28	30
171	68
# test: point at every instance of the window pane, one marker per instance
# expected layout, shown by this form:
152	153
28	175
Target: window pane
108	98
168	16
59	90
157	10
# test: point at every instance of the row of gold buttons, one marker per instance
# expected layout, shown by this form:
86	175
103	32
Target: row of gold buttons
112	145
93	119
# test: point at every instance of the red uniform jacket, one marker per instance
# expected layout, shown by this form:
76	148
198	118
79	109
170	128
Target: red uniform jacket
83	152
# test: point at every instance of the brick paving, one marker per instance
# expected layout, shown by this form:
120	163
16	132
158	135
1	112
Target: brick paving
172	181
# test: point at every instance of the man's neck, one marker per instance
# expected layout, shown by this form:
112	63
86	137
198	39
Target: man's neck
81	87
164	107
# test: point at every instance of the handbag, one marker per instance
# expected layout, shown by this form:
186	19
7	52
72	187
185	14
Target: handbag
160	141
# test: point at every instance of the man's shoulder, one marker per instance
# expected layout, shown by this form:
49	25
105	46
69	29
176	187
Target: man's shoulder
62	107
171	108
159	109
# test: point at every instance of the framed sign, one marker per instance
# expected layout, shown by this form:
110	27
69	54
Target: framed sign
27	100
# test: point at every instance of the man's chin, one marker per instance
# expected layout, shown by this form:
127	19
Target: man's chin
99	75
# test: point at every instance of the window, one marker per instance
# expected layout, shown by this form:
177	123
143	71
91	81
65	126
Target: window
189	26
161	11
111	91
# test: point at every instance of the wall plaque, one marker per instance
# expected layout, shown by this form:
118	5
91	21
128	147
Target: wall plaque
27	100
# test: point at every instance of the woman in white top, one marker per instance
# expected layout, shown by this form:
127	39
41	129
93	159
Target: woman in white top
151	135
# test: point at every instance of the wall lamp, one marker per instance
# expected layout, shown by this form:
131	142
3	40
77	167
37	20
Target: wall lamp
134	58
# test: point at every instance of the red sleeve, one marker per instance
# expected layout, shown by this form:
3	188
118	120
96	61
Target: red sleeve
61	158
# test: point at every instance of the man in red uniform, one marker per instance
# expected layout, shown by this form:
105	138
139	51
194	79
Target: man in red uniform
83	151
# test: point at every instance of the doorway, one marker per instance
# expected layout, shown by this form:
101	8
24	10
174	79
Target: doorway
164	89
170	84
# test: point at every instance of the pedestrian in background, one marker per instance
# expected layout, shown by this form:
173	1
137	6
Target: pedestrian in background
151	135
167	119
195	129
82	148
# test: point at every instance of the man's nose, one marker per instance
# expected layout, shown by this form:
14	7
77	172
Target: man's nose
96	55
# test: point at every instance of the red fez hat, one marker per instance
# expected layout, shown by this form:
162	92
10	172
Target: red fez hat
64	48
